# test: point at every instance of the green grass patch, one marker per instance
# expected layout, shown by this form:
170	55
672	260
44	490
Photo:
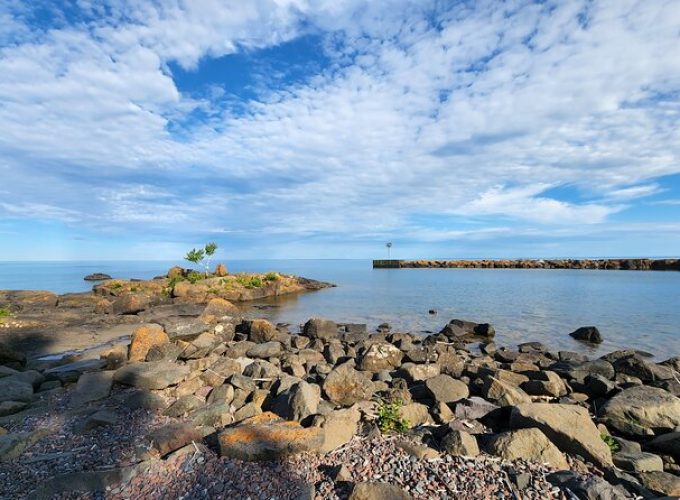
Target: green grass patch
194	277
611	441
271	277
389	418
5	312
250	281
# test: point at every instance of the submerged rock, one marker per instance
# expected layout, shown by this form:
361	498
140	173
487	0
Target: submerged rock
587	334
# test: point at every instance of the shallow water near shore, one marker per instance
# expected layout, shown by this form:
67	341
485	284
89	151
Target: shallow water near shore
632	309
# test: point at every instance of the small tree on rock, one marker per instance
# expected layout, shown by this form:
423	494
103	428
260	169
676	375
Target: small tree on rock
197	256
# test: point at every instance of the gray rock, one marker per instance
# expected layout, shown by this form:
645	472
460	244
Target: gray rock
474	408
528	444
460	443
15	390
667	443
378	491
265	350
638	462
173	436
503	393
446	389
464	331
419	372
152	375
345	386
587	334
662	483
642	411
93	386
317	328
380	356
14	444
183	406
338	427
590	488
11	407
101	418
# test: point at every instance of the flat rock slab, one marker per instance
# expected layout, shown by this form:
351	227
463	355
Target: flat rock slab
154	375
268	437
528	444
93	386
13	445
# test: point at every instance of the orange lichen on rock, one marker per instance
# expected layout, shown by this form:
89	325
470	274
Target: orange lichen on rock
144	338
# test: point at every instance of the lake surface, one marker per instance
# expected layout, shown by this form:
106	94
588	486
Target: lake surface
638	309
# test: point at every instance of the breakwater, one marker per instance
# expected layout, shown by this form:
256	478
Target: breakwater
608	264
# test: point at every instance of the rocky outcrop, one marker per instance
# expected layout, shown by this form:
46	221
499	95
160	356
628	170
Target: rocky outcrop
615	264
97	277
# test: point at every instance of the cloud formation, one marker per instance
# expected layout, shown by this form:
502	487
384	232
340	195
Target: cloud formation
516	118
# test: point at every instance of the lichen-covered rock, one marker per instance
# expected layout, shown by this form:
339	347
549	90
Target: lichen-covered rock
345	386
144	338
380	356
260	330
642	411
338	427
268	437
217	310
419	372
569	427
527	444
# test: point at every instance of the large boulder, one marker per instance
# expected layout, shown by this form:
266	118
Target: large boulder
93	386
418	372
219	310
380	356
460	443
268	437
642	411
130	303
338	427
317	328
587	334
569	427
144	338
345	386
663	483
503	393
153	375
173	436
527	444
467	331
260	330
9	356
12	389
446	389
298	402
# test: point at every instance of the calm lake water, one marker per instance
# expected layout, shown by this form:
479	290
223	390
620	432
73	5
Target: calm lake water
635	309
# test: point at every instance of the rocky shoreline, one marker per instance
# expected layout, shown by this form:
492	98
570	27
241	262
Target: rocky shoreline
202	401
604	264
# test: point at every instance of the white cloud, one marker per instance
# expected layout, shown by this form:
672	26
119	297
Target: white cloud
476	119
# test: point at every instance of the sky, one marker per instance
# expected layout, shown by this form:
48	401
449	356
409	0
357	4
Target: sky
134	129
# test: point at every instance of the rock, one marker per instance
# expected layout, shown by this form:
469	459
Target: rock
262	369
173	436
474	408
544	383
11	407
420	451
587	334
130	304
265	350
14	444
247	411
415	414
144	338
220	270
380	356
419	372
446	389
464	331
97	277
460	443
569	427
152	375
503	393
528	444
201	346
260	330
635	366
317	328
597	386
12	389
341	474
378	491
345	386
667	443
183	406
102	418
92	386
9	356
268	437
588	488
642	411
145	400
662	483
216	414
638	462
219	310
338	427
298	402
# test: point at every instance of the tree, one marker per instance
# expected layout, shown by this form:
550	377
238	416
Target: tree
389	247
198	255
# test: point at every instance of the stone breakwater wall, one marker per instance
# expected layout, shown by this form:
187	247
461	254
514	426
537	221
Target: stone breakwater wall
610	264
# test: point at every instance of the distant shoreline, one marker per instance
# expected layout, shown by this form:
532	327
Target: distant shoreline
603	264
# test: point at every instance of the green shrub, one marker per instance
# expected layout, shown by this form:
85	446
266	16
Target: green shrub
193	277
5	312
389	418
611	441
174	280
271	277
250	281
116	286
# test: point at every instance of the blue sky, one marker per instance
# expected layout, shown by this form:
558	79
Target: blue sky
323	129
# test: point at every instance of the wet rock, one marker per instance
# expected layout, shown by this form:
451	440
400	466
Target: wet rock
460	443
144	338
380	356
93	386
268	437
173	436
569	427
446	389
462	330
378	491
153	375
642	411
638	462
587	334
345	386
317	328
527	444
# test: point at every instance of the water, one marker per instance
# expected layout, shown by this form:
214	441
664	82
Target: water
631	308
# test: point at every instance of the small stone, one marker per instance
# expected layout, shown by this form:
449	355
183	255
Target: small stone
460	443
